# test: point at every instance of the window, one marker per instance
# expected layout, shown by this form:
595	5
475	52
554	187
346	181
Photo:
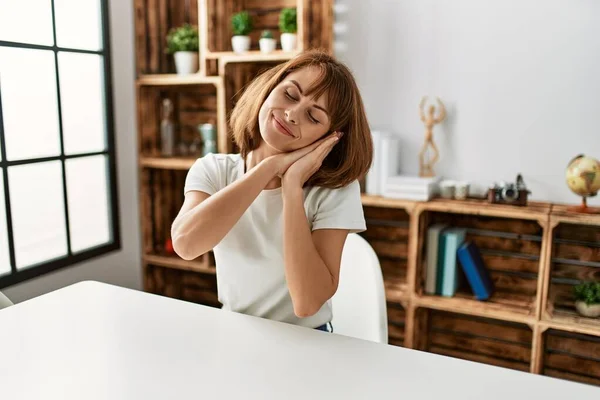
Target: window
58	197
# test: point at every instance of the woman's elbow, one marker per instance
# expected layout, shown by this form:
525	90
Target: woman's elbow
181	247
304	308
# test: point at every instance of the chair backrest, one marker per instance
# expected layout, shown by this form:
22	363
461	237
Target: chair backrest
4	301
359	305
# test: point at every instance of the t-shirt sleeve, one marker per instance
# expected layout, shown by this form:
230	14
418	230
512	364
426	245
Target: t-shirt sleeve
340	209
203	176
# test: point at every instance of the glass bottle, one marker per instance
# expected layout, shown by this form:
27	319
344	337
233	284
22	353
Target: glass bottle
208	132
167	129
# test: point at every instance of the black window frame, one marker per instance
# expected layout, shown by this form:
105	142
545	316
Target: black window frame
16	276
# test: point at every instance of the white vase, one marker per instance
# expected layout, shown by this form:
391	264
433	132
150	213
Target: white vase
288	41
186	62
240	43
588	310
267	45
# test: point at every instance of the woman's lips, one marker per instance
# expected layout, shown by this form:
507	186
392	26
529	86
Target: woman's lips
281	127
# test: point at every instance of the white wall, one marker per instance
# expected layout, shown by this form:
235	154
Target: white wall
123	267
521	80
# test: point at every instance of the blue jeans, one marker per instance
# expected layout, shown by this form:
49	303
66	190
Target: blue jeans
327	327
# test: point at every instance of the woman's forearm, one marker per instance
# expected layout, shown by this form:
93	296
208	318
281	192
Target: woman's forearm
309	280
202	228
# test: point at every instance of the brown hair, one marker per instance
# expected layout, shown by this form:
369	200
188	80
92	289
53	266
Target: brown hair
351	158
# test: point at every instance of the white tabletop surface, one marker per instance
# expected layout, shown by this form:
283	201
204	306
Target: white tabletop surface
95	341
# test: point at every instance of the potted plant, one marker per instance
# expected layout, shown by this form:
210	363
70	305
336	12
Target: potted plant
587	299
267	43
183	43
241	25
288	27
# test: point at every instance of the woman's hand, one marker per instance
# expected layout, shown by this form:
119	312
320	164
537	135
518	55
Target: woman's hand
283	161
301	170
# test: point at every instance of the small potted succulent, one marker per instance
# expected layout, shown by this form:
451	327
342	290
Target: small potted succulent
267	43
288	27
241	25
183	43
587	299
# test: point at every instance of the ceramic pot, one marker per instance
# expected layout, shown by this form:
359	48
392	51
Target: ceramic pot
588	310
186	62
240	44
267	45
288	41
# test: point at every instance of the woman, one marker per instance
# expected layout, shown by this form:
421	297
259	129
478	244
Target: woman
277	214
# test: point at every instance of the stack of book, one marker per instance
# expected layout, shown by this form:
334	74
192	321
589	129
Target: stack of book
385	162
411	187
450	259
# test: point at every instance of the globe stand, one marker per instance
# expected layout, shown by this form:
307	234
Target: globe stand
583	207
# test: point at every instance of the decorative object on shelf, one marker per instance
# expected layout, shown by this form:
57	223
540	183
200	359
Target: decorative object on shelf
169	246
208	132
385	162
288	26
509	193
461	190
426	163
583	178
587	299
167	129
183	43
267	42
241	25
447	189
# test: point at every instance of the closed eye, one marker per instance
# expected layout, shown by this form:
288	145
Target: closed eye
313	119
289	96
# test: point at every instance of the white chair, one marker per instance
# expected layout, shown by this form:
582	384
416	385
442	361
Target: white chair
4	301
359	305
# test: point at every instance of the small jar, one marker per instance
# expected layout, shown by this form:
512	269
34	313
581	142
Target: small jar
447	189
208	132
461	190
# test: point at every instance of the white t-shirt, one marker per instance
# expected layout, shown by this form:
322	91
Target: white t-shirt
249	259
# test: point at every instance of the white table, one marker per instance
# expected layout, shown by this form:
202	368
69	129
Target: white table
95	341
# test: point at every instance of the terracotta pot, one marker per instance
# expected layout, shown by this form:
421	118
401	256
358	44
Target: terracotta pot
588	310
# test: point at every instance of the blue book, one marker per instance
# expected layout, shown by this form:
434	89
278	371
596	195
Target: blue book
475	271
452	239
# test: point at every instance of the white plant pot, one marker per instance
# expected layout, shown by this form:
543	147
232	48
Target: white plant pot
240	43
267	45
288	41
186	62
591	310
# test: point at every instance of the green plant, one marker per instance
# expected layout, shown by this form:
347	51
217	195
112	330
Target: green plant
589	292
241	23
183	38
266	34
287	20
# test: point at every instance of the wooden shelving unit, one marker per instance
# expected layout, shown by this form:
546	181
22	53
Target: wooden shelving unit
535	253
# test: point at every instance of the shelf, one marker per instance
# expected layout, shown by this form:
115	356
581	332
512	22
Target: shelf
175	80
396	292
478	308
178	263
251	55
176	163
564	213
571	322
379	201
533	211
228	57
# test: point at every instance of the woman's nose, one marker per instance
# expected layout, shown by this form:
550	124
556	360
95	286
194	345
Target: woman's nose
290	116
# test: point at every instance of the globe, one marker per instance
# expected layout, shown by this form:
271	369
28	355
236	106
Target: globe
583	177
